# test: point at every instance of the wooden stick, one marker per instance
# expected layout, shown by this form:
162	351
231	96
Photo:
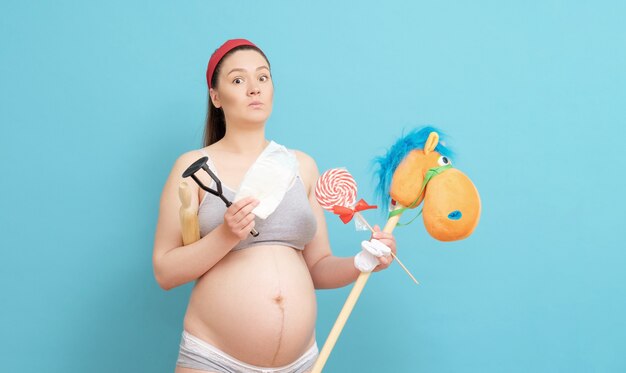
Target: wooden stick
405	269
349	305
189	225
362	219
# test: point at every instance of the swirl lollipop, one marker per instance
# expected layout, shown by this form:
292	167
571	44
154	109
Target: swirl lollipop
336	187
336	192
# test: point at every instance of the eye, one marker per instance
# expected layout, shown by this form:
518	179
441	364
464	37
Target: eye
238	81
444	161
264	78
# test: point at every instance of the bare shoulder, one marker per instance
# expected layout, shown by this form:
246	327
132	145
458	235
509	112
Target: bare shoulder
181	163
192	155
186	159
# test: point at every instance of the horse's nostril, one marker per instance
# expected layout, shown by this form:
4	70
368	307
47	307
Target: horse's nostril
455	215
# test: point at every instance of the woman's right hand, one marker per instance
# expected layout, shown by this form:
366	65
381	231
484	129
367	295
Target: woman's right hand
239	219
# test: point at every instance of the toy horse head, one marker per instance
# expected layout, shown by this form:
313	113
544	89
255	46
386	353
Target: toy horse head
418	169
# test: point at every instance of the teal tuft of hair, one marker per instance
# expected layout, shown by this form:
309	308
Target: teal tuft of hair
388	163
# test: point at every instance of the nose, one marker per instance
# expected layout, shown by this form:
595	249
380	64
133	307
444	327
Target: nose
254	89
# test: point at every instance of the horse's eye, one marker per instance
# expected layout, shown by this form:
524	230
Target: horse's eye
443	161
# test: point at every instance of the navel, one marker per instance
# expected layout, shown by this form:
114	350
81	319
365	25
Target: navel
279	299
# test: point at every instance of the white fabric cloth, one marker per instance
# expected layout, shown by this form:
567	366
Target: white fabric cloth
269	178
367	259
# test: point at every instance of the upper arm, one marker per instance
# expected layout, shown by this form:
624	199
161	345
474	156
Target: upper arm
319	247
168	230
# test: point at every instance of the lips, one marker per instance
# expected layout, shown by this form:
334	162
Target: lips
255	103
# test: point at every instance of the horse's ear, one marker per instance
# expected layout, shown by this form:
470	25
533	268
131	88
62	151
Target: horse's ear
431	143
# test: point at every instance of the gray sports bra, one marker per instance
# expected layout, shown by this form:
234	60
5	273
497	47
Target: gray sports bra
291	224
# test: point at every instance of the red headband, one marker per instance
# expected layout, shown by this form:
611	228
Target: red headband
217	56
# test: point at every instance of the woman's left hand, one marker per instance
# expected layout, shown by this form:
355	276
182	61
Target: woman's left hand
389	240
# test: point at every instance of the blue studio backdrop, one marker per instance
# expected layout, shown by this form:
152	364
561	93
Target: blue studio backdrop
98	99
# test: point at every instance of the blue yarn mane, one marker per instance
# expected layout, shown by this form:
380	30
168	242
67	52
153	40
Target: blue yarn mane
387	164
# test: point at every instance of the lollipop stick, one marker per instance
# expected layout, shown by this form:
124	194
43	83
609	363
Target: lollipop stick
362	219
349	305
405	269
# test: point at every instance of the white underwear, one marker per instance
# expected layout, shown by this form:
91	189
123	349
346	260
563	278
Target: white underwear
198	354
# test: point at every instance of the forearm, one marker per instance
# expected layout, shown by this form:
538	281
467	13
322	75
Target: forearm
333	272
183	264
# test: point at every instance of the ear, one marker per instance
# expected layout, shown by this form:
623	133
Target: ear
215	98
431	143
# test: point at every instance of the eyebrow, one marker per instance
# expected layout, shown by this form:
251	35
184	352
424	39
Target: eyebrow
244	70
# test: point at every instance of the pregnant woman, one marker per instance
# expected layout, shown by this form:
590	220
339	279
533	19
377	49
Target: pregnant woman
253	307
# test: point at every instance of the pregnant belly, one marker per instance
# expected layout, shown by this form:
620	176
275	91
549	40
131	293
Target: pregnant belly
257	305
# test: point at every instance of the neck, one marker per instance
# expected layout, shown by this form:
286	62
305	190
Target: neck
242	140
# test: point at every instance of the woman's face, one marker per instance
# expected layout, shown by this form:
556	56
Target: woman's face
245	90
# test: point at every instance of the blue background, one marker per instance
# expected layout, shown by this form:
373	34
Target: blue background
97	100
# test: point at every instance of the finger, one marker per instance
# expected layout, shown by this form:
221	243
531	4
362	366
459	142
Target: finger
237	206
243	230
382	263
245	210
245	221
242	215
248	227
376	229
380	234
389	243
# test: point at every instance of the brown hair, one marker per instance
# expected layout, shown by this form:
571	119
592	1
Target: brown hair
215	125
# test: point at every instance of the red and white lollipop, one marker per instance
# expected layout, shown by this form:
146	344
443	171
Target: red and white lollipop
336	192
335	187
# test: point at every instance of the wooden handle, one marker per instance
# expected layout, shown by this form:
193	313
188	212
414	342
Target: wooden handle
349	305
190	227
